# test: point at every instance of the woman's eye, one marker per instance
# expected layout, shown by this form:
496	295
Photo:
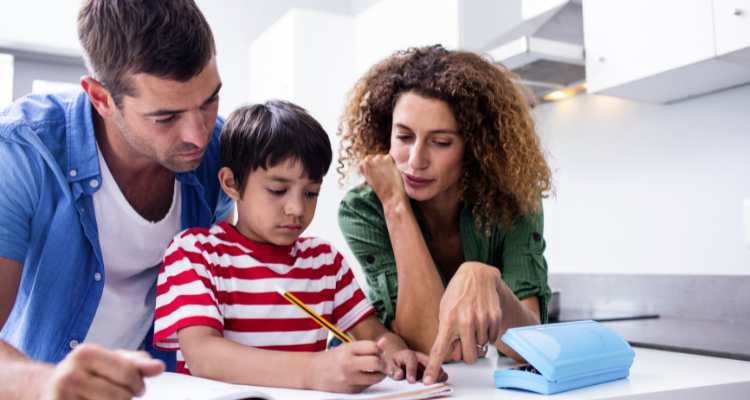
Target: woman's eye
403	137
277	192
312	194
166	121
443	144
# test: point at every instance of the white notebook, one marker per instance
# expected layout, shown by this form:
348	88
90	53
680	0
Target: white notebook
171	386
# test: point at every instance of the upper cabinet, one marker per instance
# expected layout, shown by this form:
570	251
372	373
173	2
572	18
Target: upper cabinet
666	50
732	28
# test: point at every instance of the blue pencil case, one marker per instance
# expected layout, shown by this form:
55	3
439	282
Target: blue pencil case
565	356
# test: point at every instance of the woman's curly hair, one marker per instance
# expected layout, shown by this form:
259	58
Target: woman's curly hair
504	169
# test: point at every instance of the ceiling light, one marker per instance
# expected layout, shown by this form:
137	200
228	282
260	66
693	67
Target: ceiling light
564	93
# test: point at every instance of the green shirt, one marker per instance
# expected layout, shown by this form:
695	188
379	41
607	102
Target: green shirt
517	253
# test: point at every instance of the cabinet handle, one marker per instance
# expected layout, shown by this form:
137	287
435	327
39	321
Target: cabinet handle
600	59
735	11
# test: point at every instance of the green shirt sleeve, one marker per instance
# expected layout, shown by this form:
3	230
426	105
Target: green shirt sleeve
362	223
522	264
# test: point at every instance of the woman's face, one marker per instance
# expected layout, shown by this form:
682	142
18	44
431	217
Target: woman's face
426	146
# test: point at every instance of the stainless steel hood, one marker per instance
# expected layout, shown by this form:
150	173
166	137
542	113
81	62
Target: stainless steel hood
546	51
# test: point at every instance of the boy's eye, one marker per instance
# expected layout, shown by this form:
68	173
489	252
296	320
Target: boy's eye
277	192
311	194
166	121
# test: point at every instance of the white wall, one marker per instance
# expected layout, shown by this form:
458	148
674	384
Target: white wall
6	80
307	57
46	23
391	25
235	25
648	189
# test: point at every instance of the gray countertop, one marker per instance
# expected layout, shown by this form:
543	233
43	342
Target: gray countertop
709	338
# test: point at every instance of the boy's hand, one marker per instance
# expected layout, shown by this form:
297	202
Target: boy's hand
349	368
407	363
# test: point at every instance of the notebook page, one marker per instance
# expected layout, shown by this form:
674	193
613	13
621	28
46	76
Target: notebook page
170	386
386	389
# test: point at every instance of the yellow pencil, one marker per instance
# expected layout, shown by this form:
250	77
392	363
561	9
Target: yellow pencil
313	314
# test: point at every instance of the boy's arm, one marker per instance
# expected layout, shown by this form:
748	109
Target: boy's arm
405	363
342	369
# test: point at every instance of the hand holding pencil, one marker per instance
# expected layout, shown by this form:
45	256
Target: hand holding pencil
349	368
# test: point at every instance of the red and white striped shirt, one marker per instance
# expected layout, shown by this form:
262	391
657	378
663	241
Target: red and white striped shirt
216	277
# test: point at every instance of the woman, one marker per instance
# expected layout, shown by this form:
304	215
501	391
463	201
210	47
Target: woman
449	227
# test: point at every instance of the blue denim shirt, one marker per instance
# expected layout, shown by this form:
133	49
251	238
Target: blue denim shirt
49	170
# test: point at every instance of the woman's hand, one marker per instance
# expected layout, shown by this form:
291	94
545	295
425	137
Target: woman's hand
382	175
470	315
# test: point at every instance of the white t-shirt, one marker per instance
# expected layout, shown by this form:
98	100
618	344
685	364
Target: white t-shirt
132	251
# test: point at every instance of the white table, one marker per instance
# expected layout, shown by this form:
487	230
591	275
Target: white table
655	374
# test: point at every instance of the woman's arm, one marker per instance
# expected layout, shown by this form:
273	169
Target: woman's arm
515	313
420	288
209	355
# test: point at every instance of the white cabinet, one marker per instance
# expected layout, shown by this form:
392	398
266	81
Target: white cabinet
732	27
666	50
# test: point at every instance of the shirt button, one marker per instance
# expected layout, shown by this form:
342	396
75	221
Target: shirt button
73	344
73	172
370	258
97	277
94	183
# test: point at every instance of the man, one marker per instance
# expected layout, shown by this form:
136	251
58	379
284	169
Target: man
94	185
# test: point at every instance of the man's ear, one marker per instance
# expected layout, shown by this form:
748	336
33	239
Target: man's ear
99	96
226	178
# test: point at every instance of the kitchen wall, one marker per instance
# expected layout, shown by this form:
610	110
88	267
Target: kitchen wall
50	25
648	189
642	188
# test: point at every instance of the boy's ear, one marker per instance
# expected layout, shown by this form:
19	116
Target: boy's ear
226	178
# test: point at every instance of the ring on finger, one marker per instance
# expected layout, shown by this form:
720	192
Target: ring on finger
484	347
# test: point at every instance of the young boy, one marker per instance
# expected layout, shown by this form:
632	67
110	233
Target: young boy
216	299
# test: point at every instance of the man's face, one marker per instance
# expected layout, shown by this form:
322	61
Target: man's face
171	122
277	204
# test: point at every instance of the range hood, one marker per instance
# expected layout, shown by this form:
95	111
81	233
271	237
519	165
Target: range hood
546	51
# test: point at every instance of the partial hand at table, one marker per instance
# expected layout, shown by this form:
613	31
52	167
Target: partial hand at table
470	315
93	372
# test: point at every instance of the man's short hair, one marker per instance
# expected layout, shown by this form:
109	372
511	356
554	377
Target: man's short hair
266	135
165	38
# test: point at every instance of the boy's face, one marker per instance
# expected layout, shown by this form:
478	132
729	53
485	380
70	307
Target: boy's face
277	204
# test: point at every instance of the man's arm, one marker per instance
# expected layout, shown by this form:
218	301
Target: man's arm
10	281
90	371
87	370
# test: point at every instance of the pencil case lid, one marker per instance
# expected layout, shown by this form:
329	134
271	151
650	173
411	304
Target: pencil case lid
573	350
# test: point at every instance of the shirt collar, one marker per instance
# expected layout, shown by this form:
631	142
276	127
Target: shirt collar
83	161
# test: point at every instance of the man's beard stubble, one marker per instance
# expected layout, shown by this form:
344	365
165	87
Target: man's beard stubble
140	147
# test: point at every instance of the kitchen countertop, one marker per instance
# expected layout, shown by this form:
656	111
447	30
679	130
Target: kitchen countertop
654	375
708	338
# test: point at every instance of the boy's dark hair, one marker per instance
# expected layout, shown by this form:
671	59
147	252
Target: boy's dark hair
166	38
265	135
